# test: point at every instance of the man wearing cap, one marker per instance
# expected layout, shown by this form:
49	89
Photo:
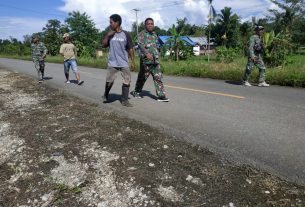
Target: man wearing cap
256	48
39	53
68	50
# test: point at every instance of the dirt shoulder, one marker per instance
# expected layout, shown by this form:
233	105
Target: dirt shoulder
58	150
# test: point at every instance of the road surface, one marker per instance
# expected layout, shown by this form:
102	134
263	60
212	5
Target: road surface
264	127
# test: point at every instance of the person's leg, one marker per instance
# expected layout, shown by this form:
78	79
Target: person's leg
37	67
262	73
41	68
125	87
111	75
248	70
142	77
157	77
75	70
66	70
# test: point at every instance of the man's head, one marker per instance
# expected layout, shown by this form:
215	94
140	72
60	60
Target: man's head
66	37
115	22
149	24
259	30
35	39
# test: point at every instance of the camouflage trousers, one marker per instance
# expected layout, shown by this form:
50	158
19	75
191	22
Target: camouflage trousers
155	71
40	66
261	66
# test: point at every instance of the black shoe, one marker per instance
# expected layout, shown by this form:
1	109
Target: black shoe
162	99
127	104
105	99
136	94
80	83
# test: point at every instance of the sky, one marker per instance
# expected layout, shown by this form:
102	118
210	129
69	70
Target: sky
18	18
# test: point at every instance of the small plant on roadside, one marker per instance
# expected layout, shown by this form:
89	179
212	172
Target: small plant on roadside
226	55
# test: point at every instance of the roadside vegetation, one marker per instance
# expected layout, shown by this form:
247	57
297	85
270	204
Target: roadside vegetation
284	44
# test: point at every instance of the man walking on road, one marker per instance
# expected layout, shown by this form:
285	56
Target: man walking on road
68	50
39	53
149	61
256	48
120	47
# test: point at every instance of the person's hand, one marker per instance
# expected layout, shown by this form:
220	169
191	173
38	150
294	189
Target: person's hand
133	66
44	56
111	33
150	57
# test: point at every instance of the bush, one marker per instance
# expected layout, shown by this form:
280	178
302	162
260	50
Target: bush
226	55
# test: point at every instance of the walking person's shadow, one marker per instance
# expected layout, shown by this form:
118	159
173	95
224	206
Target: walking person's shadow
47	78
234	82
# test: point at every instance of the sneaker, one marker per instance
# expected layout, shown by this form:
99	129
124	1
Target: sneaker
127	104
40	80
263	84
163	99
246	83
80	83
136	94
67	81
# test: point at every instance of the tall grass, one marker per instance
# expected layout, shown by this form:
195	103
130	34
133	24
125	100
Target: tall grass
292	74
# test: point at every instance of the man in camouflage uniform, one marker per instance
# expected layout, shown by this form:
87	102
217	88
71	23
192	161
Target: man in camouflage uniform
256	48
149	61
39	53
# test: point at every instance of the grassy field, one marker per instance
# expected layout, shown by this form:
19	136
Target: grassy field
293	74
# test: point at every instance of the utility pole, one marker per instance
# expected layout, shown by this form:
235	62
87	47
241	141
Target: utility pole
137	10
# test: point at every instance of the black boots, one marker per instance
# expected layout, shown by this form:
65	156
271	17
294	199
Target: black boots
125	92
108	86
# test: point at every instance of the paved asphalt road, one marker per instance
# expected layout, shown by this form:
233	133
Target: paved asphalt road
264	127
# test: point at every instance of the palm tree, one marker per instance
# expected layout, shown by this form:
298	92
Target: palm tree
227	21
212	15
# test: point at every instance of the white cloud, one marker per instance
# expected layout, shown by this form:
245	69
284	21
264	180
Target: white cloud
17	27
165	13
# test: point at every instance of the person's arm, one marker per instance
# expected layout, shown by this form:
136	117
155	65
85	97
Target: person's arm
105	41
61	50
75	51
32	51
145	52
45	51
129	48
131	56
251	48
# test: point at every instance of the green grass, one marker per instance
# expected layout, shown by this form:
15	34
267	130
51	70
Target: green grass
293	74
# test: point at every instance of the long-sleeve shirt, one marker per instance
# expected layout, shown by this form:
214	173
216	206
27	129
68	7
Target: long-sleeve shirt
148	43
38	51
255	46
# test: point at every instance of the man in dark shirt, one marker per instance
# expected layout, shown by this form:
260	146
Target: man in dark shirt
120	47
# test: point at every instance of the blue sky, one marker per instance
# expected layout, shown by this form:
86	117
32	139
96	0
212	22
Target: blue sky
18	18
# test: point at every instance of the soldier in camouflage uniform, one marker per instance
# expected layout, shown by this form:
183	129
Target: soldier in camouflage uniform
39	53
149	61
256	48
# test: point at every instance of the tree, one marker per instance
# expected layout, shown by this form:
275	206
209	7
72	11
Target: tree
178	45
289	19
212	15
83	33
230	27
53	32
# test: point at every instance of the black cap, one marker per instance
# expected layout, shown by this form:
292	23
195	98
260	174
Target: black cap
258	28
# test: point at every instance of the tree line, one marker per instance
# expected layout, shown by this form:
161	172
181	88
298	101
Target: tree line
284	26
